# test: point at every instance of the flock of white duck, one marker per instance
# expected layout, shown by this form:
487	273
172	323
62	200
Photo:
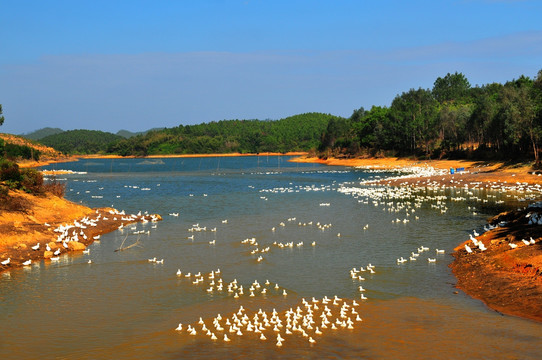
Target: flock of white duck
309	320
77	232
312	319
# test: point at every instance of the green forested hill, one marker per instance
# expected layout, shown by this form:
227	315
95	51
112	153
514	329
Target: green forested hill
81	141
295	133
41	133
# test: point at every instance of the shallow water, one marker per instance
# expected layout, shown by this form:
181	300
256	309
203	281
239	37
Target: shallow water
122	306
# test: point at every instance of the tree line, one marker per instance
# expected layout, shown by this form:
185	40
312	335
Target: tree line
453	119
295	133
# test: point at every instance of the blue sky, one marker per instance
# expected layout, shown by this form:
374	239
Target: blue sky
135	65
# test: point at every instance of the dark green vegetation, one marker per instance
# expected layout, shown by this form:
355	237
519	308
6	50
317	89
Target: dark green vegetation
16	151
128	134
46	131
1	116
295	133
12	177
453	119
81	141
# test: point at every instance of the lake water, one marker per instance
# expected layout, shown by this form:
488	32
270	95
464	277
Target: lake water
122	306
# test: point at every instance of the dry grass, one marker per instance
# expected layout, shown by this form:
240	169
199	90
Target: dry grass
56	188
14	203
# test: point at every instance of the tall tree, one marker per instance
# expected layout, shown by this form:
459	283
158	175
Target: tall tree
536	94
517	113
1	140
416	111
453	87
357	115
453	119
482	118
373	129
338	130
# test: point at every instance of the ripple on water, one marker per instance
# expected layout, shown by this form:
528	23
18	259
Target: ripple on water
122	306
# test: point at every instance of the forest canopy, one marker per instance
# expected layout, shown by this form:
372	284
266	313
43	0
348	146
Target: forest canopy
295	133
80	141
452	119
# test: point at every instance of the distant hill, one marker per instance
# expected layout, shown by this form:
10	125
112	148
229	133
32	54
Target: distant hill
295	133
128	134
20	147
301	132
41	133
47	131
81	141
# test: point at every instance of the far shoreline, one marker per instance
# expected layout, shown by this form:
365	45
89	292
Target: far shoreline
33	164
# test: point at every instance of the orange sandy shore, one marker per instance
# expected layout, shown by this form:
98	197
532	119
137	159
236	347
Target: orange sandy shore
475	171
26	220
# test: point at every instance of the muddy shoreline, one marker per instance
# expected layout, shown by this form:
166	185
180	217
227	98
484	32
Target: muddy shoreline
508	275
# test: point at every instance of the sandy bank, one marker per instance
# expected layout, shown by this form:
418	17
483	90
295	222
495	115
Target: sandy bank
32	220
488	173
45	161
508	275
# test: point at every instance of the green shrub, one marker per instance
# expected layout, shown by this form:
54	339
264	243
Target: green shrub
4	191
9	171
32	181
14	151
